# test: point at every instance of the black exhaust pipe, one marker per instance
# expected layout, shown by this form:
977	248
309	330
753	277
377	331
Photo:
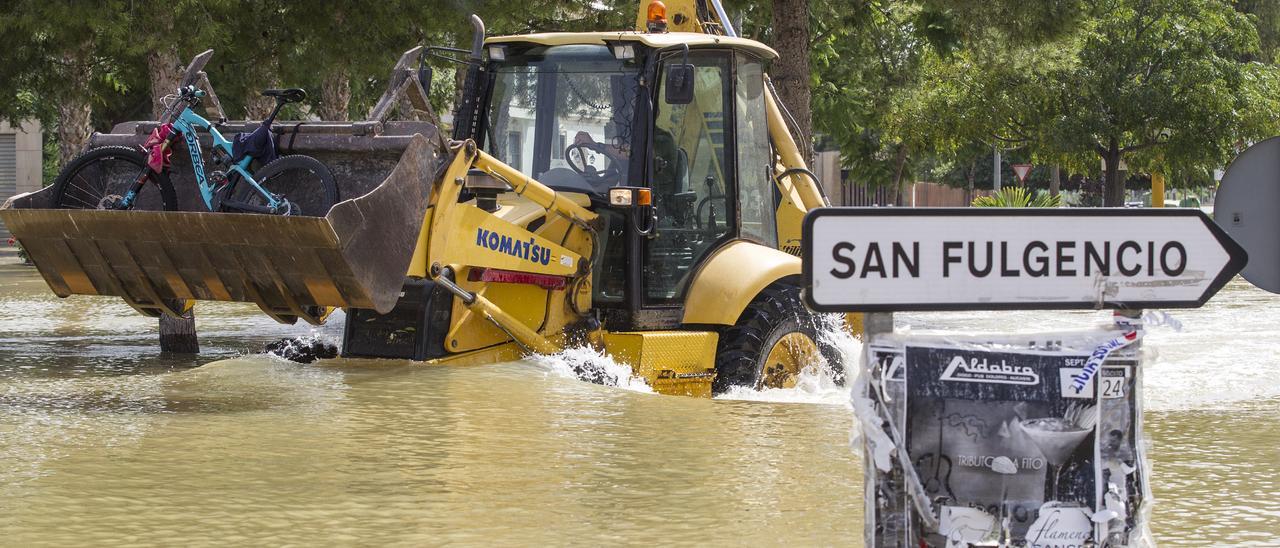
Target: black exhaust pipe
466	116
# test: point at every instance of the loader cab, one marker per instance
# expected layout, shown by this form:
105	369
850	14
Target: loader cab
586	117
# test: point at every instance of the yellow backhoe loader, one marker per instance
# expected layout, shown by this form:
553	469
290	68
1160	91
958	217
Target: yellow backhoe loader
637	191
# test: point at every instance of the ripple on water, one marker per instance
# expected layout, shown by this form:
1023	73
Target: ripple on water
103	441
1217	474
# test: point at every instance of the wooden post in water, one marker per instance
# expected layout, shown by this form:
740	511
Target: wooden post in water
178	333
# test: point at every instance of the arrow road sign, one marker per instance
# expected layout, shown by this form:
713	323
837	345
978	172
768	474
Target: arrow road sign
883	260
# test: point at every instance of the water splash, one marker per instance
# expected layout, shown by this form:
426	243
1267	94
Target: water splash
322	342
814	385
817	383
591	365
305	349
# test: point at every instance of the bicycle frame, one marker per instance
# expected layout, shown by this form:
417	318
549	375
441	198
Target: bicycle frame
186	124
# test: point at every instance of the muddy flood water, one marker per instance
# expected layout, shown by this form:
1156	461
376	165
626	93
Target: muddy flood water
105	442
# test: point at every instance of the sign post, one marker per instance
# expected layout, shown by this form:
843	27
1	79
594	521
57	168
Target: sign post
1007	439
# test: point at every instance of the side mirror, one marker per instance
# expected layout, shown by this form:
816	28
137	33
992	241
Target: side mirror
679	84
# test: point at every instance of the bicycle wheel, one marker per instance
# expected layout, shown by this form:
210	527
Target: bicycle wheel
103	175
302	181
99	177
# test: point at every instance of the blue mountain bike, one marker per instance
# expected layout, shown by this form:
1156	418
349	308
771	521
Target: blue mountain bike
124	178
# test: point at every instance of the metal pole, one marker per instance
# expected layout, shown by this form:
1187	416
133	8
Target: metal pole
1157	190
876	323
995	169
724	19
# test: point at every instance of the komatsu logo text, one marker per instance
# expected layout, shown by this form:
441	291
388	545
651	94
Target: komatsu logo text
528	251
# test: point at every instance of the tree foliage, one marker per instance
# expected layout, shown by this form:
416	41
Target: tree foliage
1161	84
905	89
84	67
1170	85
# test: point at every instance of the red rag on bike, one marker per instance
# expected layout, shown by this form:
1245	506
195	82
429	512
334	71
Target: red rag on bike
158	154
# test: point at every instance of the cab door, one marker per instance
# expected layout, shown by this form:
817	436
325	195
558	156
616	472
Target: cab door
692	175
708	170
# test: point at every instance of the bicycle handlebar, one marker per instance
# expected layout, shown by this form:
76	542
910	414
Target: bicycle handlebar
190	92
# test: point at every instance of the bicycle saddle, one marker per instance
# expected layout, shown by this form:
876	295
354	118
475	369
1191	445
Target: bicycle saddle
291	95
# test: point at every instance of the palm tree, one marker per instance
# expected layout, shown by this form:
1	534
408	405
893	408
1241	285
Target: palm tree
1015	196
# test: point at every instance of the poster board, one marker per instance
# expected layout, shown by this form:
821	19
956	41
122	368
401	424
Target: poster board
1008	438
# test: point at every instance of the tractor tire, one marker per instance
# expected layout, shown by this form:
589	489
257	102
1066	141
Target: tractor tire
775	338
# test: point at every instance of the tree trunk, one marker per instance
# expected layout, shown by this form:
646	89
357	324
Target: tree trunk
178	334
74	128
790	73
75	122
335	95
164	68
1113	189
969	176
265	76
997	165
165	71
335	87
258	107
1055	180
897	173
405	110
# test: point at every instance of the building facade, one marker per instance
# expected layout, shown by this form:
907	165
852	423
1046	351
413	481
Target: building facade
21	167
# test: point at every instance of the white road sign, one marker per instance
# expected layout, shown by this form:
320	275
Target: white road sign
879	260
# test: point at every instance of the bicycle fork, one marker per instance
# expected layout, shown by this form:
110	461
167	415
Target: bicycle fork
126	202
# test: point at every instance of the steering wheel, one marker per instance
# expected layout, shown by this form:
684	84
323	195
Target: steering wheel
608	175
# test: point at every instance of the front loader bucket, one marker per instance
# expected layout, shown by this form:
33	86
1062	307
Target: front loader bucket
355	256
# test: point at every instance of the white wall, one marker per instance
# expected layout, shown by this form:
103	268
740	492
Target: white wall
27	139
827	168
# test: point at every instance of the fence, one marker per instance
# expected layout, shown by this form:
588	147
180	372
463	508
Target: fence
913	195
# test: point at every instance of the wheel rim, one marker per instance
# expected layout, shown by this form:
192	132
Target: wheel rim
789	355
95	185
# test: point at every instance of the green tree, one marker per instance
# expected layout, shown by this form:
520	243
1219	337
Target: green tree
1266	16
1160	84
57	63
905	86
1169	85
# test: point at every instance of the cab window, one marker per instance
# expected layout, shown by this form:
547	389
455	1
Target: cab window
756	201
690	176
